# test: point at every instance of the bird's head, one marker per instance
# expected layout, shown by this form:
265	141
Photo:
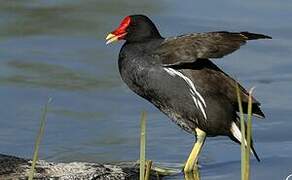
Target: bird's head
134	28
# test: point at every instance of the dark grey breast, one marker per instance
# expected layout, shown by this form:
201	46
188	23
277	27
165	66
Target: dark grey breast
145	74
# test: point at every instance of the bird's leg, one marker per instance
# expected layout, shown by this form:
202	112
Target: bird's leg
191	164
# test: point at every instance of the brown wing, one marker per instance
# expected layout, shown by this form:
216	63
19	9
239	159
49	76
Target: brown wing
189	48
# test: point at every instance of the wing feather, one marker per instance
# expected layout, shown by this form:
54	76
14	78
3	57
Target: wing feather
188	48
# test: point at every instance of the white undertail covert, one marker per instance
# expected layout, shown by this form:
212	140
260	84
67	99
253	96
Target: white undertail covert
237	133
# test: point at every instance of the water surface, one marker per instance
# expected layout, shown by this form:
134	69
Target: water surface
56	49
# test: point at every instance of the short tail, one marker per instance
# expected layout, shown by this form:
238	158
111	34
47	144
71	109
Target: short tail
256	110
254	36
236	136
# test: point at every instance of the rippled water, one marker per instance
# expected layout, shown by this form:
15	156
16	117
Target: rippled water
56	49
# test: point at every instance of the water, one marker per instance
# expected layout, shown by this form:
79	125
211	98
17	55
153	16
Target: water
57	49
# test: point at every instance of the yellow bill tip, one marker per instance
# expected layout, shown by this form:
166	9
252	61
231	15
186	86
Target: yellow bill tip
111	38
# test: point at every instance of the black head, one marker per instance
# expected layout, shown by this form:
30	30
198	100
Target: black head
134	28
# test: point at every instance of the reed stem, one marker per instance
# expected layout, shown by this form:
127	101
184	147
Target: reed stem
38	140
142	145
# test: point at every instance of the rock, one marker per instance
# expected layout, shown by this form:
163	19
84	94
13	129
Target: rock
14	168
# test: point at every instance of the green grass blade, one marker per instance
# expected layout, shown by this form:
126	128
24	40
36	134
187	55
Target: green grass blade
248	135
142	145
38	140
242	128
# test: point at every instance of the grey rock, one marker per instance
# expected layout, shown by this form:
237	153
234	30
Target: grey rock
15	168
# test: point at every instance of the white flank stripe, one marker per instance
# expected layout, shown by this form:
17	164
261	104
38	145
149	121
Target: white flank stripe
197	97
236	132
202	109
170	71
201	98
196	101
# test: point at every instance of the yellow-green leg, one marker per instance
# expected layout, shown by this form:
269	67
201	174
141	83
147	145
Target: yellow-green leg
191	164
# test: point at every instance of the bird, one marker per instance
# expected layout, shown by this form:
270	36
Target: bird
177	75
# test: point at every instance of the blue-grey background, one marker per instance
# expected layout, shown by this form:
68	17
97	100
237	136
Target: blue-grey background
56	48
